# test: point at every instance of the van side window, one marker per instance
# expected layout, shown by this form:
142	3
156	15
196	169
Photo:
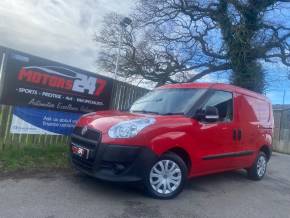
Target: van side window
223	101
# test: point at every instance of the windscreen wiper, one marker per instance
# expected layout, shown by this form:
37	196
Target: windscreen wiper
170	113
146	101
145	112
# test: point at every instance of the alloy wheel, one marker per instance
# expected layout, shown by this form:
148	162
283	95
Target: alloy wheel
165	177
261	166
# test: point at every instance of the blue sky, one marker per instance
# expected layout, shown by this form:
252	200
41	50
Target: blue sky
277	82
276	78
63	30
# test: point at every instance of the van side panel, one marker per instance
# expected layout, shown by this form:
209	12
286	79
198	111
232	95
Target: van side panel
264	114
260	108
255	121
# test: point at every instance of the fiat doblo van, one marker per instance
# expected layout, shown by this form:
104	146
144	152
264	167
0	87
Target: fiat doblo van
176	132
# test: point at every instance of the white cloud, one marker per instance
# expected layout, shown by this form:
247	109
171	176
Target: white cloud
60	30
63	30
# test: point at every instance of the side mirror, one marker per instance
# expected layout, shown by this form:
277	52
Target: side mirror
211	114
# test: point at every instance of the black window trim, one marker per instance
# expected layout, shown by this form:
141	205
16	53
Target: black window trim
205	98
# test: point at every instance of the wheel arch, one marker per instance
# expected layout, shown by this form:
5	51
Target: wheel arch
183	154
267	150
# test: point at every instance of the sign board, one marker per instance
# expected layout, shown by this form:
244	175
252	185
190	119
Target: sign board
42	122
36	82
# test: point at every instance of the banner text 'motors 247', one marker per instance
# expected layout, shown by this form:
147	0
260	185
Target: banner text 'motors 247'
37	82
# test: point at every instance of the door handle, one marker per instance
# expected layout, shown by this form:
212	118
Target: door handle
239	134
234	134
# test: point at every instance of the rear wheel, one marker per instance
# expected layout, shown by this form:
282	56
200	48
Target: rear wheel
259	168
166	177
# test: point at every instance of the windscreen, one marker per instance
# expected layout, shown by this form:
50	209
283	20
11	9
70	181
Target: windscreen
168	101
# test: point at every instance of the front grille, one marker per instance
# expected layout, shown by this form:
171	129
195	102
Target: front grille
90	134
83	142
90	140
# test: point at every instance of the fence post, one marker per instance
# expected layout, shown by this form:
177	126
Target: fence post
280	124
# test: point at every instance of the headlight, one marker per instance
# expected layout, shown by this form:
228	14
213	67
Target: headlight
131	128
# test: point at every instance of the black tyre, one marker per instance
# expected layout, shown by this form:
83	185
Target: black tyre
259	168
166	177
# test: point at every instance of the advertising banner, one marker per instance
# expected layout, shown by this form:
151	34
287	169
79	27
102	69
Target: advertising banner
42	122
37	82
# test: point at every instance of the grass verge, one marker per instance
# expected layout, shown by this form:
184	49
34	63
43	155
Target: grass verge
32	157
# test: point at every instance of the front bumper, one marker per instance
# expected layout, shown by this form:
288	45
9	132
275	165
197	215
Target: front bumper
112	162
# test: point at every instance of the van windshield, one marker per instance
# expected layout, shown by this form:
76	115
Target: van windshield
167	101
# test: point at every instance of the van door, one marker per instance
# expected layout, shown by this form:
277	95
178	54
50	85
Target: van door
216	140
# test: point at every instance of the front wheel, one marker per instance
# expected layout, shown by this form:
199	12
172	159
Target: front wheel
259	168
166	177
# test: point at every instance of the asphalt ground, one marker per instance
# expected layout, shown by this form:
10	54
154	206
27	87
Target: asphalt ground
66	194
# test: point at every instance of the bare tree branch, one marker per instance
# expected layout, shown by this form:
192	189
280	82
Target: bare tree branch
210	69
172	39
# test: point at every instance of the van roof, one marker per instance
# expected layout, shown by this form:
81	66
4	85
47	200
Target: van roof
218	86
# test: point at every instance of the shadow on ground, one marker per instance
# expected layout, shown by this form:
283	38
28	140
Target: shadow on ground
198	184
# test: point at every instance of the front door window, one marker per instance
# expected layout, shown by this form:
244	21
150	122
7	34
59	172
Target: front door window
223	101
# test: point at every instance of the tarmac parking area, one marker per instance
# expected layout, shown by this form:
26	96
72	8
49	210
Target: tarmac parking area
65	194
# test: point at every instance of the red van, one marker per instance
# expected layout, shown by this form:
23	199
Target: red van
176	132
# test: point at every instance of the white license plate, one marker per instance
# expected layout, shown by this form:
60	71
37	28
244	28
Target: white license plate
80	151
